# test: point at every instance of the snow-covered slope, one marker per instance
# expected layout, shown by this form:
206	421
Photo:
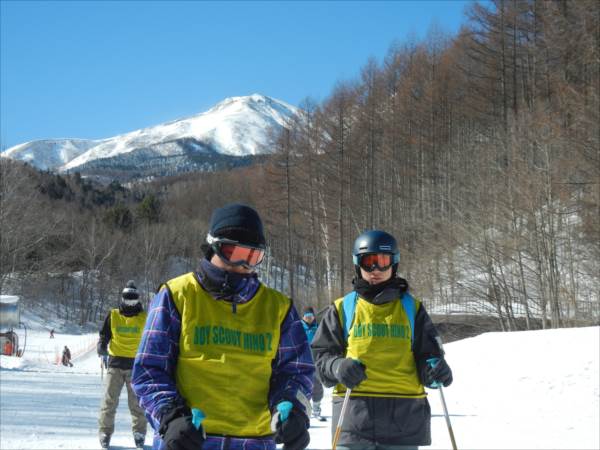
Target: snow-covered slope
237	126
520	390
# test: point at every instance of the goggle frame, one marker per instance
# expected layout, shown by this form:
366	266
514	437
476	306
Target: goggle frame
394	258
216	243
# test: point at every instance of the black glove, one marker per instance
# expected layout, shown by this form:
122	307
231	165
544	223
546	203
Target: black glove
293	433
441	373
178	431
101	349
349	372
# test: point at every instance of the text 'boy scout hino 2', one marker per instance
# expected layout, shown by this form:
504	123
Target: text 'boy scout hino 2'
224	361
376	341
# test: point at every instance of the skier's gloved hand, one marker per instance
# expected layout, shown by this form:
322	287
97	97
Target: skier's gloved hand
350	372
290	426
179	432
437	372
101	349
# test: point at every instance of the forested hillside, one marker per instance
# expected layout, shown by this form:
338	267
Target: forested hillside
480	152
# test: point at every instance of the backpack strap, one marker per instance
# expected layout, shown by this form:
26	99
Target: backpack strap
410	307
349	305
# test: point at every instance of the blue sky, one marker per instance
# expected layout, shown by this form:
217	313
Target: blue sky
97	69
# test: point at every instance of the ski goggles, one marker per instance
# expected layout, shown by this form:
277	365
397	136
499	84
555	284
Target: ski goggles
372	261
130	301
235	253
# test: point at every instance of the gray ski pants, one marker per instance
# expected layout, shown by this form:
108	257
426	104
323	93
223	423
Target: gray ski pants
115	378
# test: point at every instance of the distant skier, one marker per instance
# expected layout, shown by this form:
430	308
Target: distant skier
66	357
224	362
120	338
52	333
309	322
377	341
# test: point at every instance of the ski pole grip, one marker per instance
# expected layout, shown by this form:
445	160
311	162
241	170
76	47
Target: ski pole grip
197	417
284	409
432	363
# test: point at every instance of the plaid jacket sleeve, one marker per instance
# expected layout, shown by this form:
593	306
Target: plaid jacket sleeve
293	367
153	377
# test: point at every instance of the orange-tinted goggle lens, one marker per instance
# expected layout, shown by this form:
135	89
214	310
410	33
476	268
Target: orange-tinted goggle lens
381	261
236	254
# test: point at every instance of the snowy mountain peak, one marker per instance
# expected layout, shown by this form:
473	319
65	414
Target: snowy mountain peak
247	99
255	104
235	127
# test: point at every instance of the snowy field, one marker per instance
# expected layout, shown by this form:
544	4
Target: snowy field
520	390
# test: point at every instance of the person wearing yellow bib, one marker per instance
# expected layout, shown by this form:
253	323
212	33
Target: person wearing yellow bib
224	361
376	341
119	339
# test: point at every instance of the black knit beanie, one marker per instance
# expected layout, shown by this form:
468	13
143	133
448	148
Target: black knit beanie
239	223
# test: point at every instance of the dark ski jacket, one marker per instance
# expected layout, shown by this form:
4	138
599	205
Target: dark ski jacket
381	420
117	362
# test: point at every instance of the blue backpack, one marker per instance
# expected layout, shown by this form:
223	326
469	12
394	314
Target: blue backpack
349	305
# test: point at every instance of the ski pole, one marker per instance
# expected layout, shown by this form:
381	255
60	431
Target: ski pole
447	418
433	362
338	429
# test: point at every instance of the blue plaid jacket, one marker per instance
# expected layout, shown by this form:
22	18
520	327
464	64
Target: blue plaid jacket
153	377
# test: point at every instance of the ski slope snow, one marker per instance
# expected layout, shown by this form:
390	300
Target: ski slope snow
519	390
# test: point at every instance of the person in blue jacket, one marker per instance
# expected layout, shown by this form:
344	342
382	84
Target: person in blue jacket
224	361
309	322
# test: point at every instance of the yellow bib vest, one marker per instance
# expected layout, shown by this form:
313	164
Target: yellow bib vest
224	365
126	333
380	337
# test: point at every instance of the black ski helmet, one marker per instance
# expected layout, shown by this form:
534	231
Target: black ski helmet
375	241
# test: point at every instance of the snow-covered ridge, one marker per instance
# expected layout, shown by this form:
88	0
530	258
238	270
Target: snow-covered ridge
237	126
49	154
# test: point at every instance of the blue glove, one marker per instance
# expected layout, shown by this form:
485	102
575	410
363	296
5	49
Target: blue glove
291	427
